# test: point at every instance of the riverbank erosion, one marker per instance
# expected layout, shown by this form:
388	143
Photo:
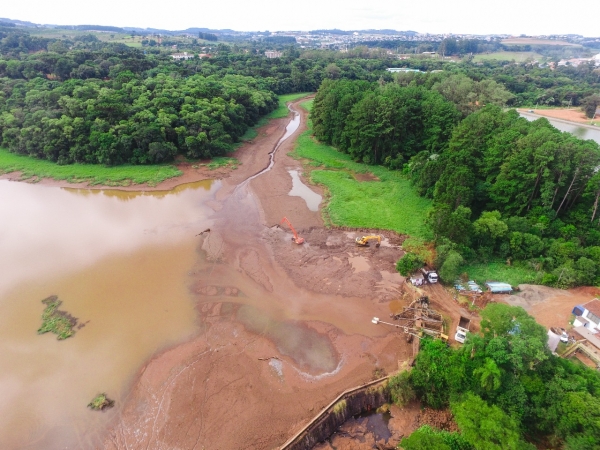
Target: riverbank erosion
281	328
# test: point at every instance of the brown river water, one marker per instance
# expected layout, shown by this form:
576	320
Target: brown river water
132	267
119	262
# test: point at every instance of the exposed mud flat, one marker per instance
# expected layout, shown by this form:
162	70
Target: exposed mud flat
283	328
331	263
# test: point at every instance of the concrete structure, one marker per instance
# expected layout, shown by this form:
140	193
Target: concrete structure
272	54
590	318
180	56
401	69
496	287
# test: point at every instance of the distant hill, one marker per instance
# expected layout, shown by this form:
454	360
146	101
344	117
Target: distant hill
21	23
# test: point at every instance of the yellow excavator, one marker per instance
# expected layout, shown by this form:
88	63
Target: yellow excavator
364	241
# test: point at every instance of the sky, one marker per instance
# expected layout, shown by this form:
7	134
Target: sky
530	17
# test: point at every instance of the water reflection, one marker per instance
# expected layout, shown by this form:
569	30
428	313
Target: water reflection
129	195
582	132
299	189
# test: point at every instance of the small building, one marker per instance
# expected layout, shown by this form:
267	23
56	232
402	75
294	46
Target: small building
273	54
496	287
179	56
588	315
401	69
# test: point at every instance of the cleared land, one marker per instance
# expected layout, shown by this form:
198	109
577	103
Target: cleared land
571	115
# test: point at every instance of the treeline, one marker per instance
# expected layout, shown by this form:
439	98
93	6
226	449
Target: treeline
505	390
503	188
208	36
382	124
515	190
128	119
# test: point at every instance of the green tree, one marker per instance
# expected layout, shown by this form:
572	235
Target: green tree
424	439
401	389
486	427
408	264
489	375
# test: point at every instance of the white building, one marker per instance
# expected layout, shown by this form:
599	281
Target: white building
587	315
272	54
180	56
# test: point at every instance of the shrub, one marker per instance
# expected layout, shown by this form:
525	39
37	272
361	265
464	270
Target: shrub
401	389
408	264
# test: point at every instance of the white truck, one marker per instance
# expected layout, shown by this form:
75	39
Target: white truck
430	274
462	329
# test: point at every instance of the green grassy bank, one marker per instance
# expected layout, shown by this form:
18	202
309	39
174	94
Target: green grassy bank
500	271
381	199
91	173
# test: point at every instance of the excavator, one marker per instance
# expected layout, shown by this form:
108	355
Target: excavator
364	241
297	239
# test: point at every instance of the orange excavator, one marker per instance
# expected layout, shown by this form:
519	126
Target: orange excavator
297	239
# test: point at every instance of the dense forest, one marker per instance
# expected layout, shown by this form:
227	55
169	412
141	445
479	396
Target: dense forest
503	188
505	389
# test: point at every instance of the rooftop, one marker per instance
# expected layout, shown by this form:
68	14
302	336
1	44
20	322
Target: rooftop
593	307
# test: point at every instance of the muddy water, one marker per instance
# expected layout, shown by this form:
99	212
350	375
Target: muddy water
299	189
119	261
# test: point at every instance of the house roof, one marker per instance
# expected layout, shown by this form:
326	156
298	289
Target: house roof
593	307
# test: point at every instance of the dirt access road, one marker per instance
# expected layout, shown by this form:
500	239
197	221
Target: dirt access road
282	328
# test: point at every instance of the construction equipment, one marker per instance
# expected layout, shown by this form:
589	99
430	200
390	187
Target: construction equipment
462	329
418	320
297	239
364	241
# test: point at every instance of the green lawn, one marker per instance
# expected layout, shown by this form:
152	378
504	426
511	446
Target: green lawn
388	201
92	173
499	271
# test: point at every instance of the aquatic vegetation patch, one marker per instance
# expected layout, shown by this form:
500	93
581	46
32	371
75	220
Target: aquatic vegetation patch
56	321
100	402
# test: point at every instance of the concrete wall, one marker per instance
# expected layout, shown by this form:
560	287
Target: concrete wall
350	403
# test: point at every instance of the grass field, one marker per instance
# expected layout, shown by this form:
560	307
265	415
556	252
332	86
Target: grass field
508	56
499	271
535	41
386	202
91	173
282	110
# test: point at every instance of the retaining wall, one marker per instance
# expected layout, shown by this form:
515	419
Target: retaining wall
348	404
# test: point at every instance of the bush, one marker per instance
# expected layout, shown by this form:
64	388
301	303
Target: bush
408	264
401	389
450	270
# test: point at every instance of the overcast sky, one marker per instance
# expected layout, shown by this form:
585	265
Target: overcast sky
532	17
